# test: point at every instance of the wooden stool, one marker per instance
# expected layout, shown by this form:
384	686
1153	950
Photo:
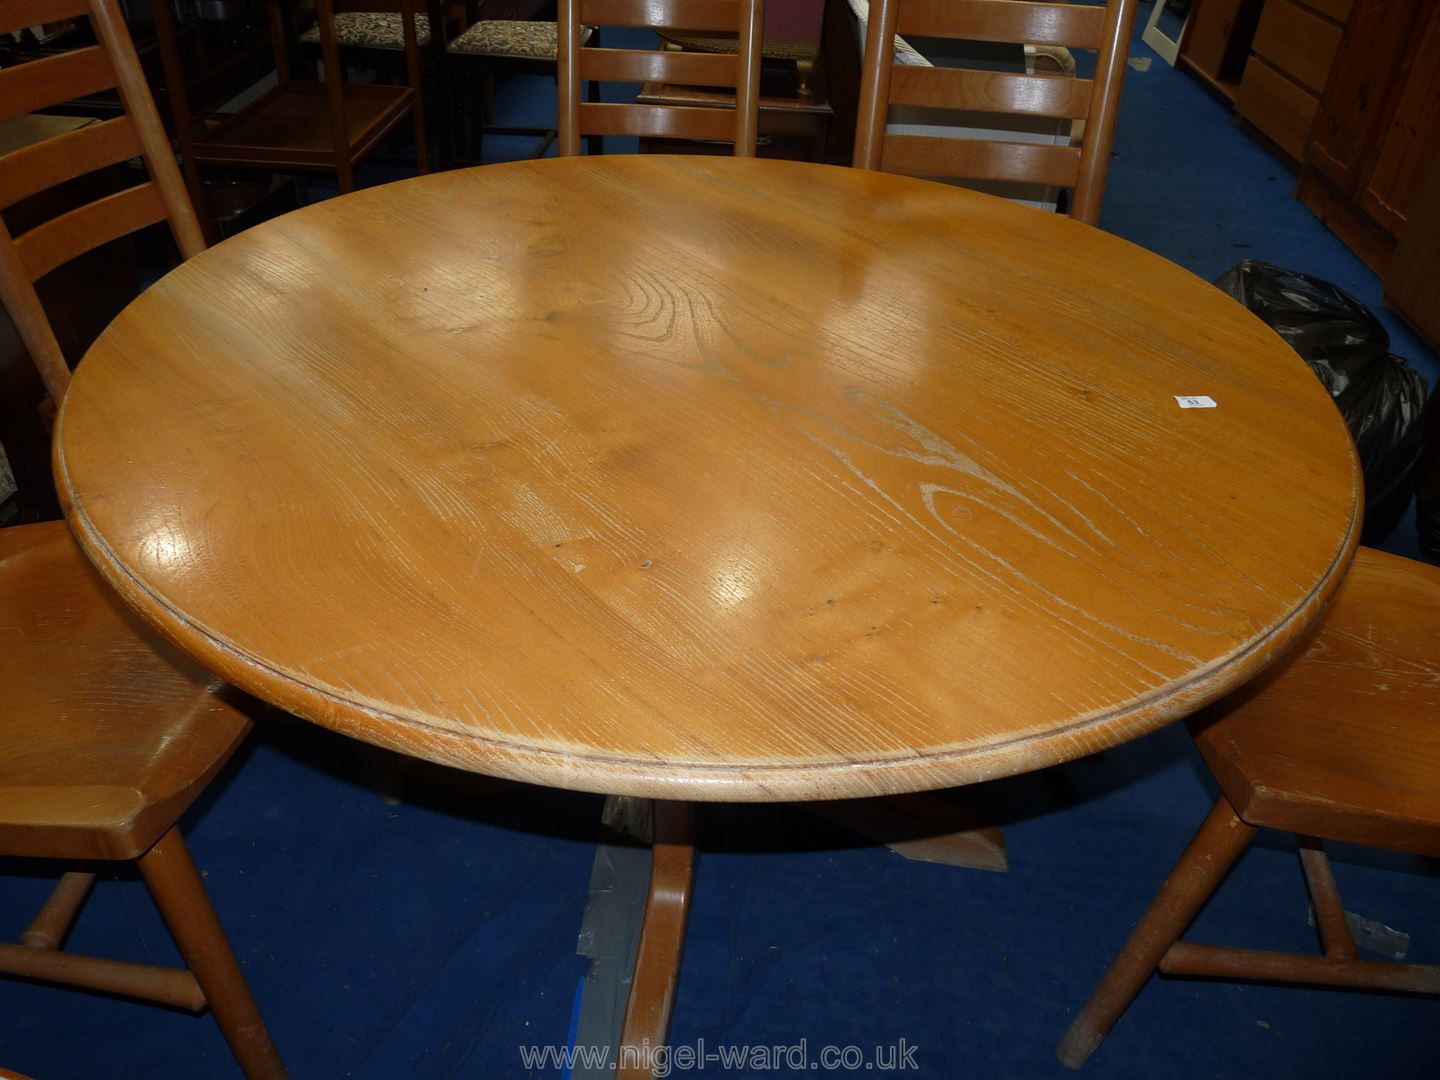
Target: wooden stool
1341	741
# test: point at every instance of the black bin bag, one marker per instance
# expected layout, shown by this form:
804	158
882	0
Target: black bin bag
1380	396
1427	488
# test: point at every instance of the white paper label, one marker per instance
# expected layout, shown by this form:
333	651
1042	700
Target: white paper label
1197	401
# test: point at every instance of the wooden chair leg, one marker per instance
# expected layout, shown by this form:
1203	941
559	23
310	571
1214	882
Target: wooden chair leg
1335	936
422	148
182	900
662	938
48	929
1218	843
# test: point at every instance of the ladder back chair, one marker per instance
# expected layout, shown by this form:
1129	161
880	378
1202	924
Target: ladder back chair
108	734
1340	741
1105	28
740	72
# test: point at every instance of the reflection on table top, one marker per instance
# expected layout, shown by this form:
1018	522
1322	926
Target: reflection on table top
708	478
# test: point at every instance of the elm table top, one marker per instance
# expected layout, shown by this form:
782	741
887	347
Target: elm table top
704	478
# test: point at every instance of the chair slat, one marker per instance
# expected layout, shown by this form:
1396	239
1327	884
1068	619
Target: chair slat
991	91
681	14
18	14
981	159
61	239
1079	26
34	168
38	84
656	65
658	121
576	64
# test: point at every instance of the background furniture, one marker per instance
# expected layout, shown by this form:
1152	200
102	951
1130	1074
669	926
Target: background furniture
1161	32
109	735
791	31
1291	57
372	35
989	56
1215	42
300	125
792	126
885	84
740	72
1348	91
766	490
507	46
1339	742
1412	285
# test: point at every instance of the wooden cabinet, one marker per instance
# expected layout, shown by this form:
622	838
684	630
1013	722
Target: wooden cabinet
1293	51
1350	90
1377	127
1412	281
1216	42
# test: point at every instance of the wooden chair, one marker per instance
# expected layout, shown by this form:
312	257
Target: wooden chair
372	33
300	125
1341	742
108	735
740	72
1106	28
493	47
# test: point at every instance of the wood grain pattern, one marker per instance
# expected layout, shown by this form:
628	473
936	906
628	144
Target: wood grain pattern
109	734
754	480
991	91
981	159
1341	740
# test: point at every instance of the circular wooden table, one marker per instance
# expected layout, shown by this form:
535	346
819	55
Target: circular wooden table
708	479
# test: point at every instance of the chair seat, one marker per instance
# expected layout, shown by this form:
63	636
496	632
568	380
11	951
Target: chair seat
517	39
108	733
1342	740
371	30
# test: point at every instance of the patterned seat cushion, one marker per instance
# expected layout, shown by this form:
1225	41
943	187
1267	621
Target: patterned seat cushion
529	40
371	30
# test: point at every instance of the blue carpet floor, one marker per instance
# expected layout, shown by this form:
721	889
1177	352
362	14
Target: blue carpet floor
437	937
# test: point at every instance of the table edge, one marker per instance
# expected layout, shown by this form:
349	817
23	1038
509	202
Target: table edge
695	781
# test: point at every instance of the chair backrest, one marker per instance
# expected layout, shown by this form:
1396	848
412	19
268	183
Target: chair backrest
740	71
1105	28
38	84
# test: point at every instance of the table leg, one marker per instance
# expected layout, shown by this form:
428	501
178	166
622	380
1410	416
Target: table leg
925	828
662	938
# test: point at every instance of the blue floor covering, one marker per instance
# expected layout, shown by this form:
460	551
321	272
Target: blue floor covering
437	937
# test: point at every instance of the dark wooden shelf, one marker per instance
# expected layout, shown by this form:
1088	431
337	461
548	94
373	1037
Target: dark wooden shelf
1224	87
288	127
